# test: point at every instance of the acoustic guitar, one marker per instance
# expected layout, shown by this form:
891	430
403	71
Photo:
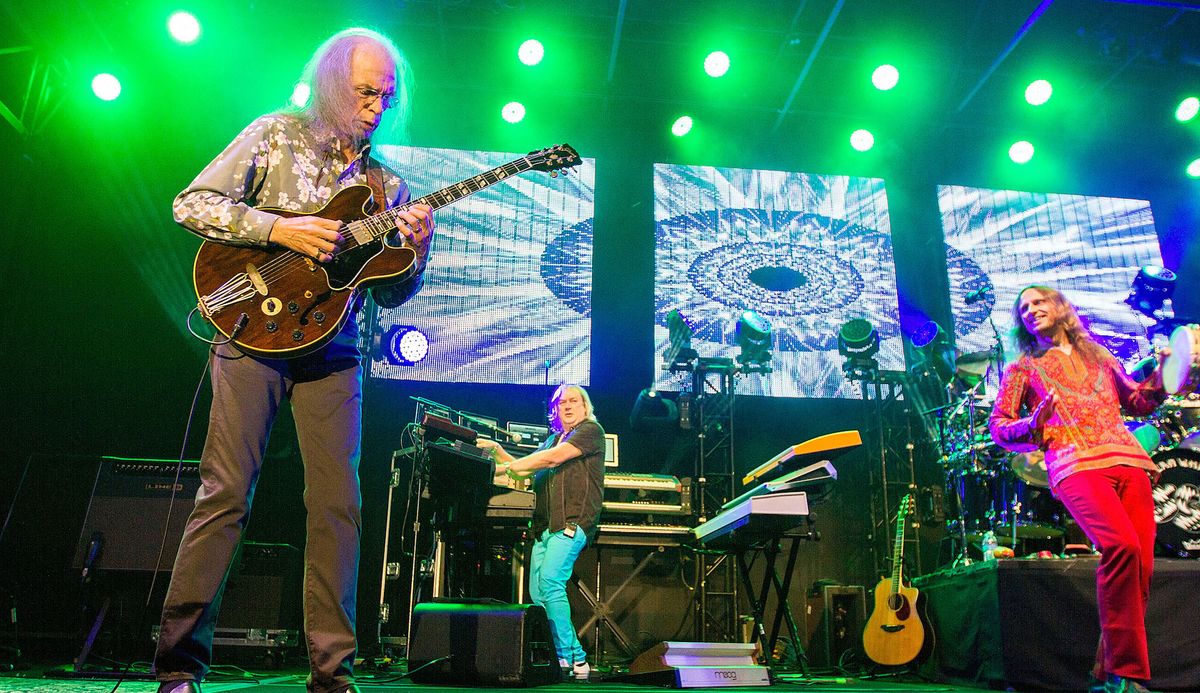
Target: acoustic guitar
281	304
894	634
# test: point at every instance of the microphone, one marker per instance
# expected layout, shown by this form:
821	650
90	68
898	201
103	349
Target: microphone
978	294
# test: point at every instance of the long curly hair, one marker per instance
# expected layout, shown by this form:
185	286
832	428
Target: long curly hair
1068	319
333	102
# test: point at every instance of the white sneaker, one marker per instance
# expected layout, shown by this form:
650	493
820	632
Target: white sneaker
581	671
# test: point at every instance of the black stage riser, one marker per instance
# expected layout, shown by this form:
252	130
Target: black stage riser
1032	624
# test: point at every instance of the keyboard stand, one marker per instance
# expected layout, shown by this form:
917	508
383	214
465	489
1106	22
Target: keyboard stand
760	598
602	611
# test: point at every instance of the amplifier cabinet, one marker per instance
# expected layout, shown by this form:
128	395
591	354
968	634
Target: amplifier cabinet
482	644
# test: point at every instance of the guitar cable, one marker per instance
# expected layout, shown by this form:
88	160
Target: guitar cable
240	325
166	525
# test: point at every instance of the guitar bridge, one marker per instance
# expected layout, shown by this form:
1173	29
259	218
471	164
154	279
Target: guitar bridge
238	288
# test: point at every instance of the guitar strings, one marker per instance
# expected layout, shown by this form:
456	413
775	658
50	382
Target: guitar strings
377	227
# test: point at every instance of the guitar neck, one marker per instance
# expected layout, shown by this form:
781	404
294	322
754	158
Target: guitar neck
898	554
382	223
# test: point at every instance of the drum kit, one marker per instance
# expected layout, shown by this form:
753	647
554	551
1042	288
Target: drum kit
1008	493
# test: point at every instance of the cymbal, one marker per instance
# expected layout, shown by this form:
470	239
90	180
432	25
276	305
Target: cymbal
1030	467
974	364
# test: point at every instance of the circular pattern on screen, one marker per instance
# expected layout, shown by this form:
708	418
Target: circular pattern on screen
806	273
566	267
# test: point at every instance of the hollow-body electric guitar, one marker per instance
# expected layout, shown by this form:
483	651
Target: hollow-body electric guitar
282	304
894	634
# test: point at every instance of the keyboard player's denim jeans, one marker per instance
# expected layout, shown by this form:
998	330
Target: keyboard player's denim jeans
550	564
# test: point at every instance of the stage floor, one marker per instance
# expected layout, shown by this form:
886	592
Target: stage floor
293	682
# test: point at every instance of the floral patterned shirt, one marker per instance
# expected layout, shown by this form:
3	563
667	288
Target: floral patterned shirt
1086	430
276	162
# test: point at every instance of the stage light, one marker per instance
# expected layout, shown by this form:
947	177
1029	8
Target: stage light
681	126
1152	286
405	345
300	95
531	52
885	77
679	354
106	87
1038	92
184	27
1020	152
753	336
716	64
1187	109
862	140
937	356
858	342
652	411
513	112
1193	169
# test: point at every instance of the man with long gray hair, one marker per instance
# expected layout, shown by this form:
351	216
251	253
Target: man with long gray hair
295	160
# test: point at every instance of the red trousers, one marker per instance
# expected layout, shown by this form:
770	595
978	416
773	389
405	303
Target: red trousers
1115	508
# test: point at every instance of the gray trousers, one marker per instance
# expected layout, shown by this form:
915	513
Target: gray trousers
327	407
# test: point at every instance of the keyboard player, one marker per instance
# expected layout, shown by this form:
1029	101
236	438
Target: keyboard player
568	480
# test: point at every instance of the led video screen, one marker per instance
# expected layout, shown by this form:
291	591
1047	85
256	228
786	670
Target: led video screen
508	290
1090	248
806	252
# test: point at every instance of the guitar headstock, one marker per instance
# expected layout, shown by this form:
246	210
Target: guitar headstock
908	505
554	158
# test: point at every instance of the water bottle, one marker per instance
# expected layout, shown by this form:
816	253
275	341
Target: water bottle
989	546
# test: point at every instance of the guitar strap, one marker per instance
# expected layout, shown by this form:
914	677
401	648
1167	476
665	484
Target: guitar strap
375	182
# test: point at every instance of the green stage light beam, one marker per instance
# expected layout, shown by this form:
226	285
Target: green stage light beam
862	140
885	77
1021	152
513	111
1038	92
106	87
716	64
681	126
531	52
1187	109
184	27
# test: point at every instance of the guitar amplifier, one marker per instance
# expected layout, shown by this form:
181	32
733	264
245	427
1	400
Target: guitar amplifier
834	618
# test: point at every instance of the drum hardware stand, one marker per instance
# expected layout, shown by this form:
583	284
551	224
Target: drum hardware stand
969	400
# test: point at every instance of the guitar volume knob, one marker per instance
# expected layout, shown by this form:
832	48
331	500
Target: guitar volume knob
272	326
297	335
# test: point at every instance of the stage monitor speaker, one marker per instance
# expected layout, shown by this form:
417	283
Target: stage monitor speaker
482	644
264	587
123	528
835	616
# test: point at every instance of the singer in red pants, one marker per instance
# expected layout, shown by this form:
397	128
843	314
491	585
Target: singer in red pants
1074	391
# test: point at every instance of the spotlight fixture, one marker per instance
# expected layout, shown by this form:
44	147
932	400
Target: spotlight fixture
933	346
651	410
753	336
405	345
1152	286
679	354
858	342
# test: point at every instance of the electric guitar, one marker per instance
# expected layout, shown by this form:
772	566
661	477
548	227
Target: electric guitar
281	304
894	634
